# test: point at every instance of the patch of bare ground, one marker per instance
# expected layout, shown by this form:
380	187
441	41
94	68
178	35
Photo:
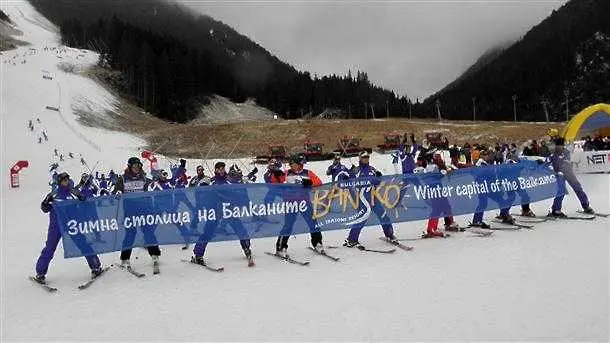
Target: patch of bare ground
250	138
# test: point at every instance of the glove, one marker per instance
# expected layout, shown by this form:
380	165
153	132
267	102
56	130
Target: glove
278	173
49	198
254	171
353	167
307	183
378	173
344	177
182	162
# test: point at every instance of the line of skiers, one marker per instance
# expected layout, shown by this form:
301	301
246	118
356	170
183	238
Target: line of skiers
413	159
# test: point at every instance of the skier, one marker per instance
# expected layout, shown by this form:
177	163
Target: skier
162	182
39	140
134	180
200	179
406	154
439	205
64	191
274	173
82	161
486	159
87	186
560	161
112	176
71	155
222	178
56	153
299	175
104	185
512	157
44	134
365	170
337	170
61	157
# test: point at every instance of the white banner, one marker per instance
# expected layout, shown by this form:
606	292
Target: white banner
591	161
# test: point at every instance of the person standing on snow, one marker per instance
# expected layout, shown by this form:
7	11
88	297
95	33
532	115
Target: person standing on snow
222	178
366	171
200	179
64	191
134	180
560	161
407	155
484	169
337	170
439	205
296	174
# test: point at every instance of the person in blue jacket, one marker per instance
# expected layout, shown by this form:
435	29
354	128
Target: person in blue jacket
239	197
407	155
337	170
365	171
560	161
64	191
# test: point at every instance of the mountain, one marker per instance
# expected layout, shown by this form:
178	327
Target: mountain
566	54
171	59
486	58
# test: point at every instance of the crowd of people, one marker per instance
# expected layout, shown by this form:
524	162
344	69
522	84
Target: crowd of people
412	157
596	144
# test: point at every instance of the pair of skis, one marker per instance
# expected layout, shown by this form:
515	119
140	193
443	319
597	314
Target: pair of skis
45	285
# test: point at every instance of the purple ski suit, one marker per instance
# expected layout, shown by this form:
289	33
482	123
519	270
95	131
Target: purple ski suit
54	234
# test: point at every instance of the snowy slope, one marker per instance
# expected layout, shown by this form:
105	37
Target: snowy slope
550	283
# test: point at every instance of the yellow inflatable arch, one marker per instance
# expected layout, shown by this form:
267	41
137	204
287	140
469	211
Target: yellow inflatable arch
593	120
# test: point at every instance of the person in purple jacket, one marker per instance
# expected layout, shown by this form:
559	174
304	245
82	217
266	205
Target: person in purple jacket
407	155
87	187
366	171
337	170
560	161
64	191
222	178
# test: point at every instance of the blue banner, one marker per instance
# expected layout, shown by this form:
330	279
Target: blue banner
232	212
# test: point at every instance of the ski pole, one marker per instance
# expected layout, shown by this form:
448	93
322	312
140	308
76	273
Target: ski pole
160	146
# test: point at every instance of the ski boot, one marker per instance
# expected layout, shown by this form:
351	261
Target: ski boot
319	248
588	210
198	260
453	227
556	214
96	272
482	225
41	279
508	219
528	213
433	234
351	244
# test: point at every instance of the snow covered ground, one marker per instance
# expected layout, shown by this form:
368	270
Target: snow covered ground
550	283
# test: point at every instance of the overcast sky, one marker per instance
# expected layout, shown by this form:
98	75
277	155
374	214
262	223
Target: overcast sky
412	47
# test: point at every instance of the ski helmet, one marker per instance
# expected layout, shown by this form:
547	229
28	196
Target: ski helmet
133	160
62	176
235	171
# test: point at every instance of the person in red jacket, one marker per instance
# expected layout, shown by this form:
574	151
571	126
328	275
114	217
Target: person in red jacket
299	175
